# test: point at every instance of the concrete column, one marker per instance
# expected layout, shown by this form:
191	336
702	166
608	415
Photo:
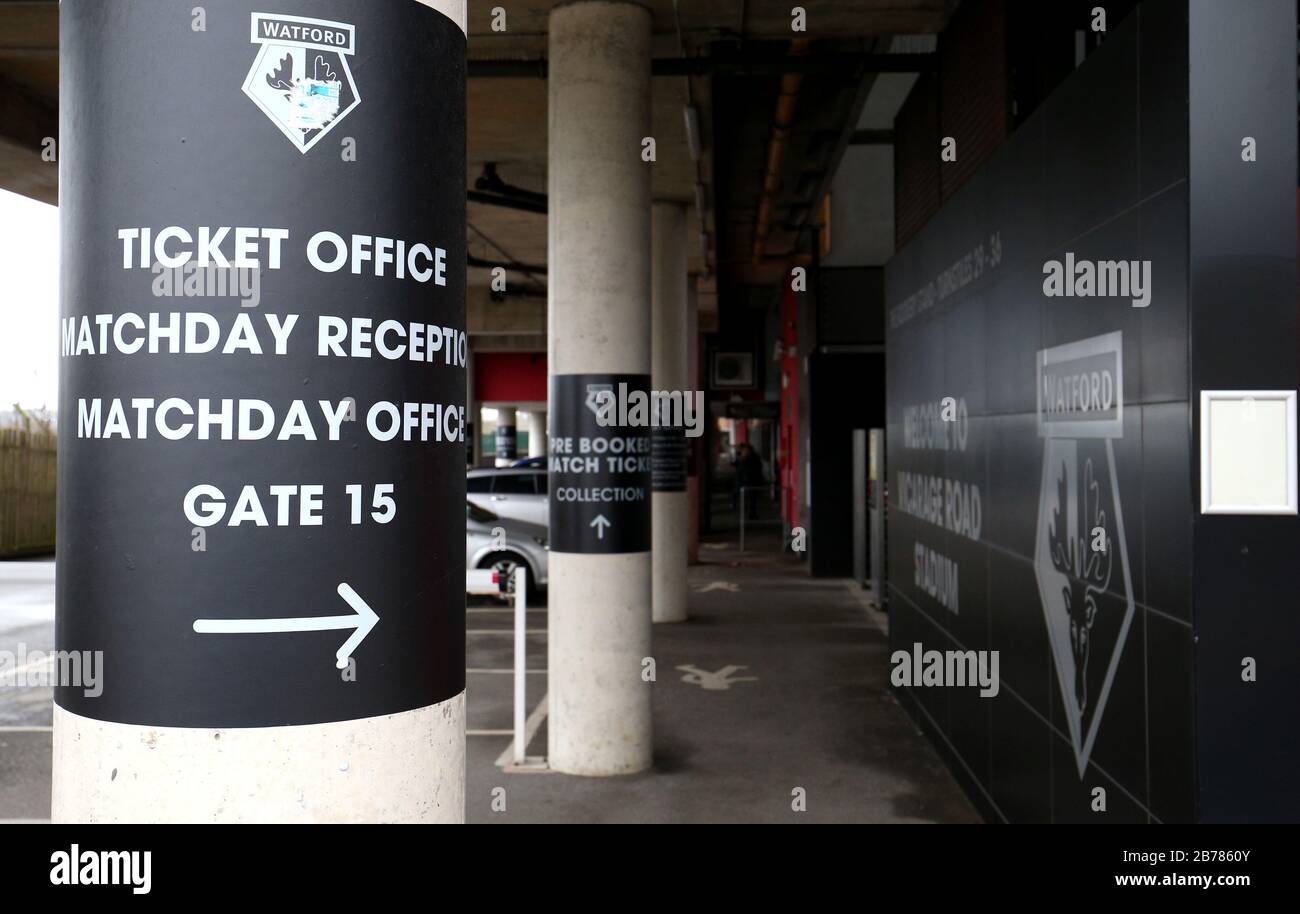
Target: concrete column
669	363
537	433
599	322
117	758
507	437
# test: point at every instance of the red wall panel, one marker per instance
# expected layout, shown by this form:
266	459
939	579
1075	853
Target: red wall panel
788	440
510	377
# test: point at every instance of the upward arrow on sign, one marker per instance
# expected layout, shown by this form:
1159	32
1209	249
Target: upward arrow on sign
362	620
600	523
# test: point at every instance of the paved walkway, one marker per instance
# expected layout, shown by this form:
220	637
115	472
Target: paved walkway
807	707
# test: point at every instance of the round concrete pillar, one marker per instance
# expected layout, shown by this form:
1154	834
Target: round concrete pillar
537	433
260	672
669	364
599	332
507	436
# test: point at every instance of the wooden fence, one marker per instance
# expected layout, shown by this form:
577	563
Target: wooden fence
28	482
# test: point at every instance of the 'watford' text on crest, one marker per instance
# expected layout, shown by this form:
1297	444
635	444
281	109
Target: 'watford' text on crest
300	78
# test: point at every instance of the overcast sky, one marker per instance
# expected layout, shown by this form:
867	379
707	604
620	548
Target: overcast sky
29	303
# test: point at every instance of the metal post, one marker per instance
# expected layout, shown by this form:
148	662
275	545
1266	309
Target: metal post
521	660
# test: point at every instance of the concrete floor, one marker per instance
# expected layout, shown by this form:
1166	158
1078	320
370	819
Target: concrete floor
806	705
809	708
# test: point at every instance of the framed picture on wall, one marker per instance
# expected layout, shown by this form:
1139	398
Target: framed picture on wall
733	370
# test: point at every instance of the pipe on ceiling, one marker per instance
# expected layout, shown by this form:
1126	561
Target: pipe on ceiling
492	183
527	206
782	121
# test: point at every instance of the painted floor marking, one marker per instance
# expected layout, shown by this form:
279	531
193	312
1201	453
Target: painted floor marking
728	586
531	727
719	681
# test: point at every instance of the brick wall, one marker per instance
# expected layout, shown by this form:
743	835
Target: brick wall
973	90
968	99
917	190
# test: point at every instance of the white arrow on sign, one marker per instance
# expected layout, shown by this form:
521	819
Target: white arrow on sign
600	523
362	619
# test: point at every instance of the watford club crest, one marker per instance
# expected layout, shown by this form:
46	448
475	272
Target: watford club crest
300	78
1081	556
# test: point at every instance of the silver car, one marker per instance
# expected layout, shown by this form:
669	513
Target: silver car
512	493
503	544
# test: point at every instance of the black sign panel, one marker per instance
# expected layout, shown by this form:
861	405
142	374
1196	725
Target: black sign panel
505	442
262	420
668	452
599	473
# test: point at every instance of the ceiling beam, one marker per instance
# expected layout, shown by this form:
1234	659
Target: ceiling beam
749	64
29	25
25	125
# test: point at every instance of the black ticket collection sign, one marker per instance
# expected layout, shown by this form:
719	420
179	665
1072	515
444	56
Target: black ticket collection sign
599	471
261	491
506	447
669	452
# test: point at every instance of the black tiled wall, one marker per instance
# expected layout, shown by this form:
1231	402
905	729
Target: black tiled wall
1094	172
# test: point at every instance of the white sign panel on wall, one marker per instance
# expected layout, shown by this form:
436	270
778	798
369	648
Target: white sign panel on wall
1248	452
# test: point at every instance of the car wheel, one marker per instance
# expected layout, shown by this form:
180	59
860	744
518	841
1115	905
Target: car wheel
504	564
